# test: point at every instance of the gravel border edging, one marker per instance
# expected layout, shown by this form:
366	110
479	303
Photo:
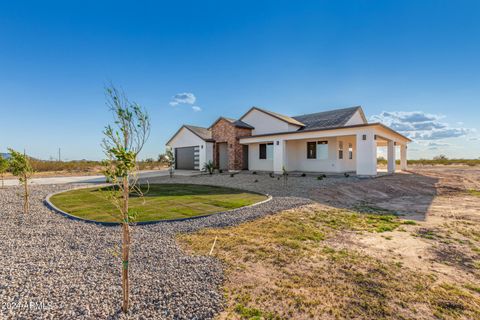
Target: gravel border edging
52	207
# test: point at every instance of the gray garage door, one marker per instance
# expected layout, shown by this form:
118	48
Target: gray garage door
185	158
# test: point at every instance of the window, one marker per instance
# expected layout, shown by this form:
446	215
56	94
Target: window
340	150
322	150
269	151
317	150
263	151
266	151
311	150
350	151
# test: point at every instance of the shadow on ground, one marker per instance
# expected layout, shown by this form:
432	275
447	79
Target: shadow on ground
406	194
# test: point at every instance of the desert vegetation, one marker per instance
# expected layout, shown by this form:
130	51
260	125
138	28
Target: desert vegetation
300	264
45	168
4	164
437	160
358	253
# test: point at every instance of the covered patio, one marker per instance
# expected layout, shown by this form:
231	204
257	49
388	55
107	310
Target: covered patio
335	150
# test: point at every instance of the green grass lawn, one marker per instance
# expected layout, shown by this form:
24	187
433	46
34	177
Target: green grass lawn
161	202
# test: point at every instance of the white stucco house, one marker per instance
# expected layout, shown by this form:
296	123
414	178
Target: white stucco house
336	141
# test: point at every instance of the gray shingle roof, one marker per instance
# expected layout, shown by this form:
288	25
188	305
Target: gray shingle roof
203	133
239	123
327	119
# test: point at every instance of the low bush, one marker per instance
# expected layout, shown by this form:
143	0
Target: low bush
209	167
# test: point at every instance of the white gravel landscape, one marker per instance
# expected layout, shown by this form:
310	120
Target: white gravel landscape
52	267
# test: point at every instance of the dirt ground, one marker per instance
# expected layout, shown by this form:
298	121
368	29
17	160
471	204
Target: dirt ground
403	246
441	199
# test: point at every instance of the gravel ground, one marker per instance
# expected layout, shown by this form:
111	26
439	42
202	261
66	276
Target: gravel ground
55	268
296	186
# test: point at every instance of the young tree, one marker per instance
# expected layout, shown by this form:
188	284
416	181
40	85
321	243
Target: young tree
21	168
170	161
122	143
4	164
285	175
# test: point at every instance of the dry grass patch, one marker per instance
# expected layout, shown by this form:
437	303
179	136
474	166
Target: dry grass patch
292	266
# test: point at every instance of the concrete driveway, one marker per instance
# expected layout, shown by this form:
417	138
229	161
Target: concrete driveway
97	179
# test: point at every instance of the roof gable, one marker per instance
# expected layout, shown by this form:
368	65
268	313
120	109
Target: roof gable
236	123
278	116
202	133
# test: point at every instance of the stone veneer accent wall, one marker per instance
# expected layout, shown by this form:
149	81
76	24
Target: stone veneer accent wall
225	131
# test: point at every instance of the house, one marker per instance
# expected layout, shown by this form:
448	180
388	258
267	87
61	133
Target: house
338	141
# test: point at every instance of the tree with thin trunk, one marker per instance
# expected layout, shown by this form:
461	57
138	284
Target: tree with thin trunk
122	142
170	161
21	168
4	164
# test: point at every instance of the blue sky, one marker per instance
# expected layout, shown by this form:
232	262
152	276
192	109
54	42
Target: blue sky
411	64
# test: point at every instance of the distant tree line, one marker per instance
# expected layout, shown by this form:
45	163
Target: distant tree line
83	166
440	159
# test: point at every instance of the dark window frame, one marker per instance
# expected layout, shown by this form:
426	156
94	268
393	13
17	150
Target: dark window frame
340	150
262	152
313	153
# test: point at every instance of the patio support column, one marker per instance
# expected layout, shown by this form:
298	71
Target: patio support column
279	155
403	157
366	159
391	157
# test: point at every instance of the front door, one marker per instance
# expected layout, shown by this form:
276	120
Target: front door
223	156
245	157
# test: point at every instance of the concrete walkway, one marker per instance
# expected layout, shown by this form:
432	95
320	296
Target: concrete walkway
97	179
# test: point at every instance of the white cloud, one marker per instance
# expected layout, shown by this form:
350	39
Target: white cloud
183	98
419	125
196	108
437	145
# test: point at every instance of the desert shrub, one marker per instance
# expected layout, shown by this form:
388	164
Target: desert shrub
209	167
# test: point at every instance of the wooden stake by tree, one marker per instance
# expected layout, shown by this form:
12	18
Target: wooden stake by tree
4	164
21	168
122	143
